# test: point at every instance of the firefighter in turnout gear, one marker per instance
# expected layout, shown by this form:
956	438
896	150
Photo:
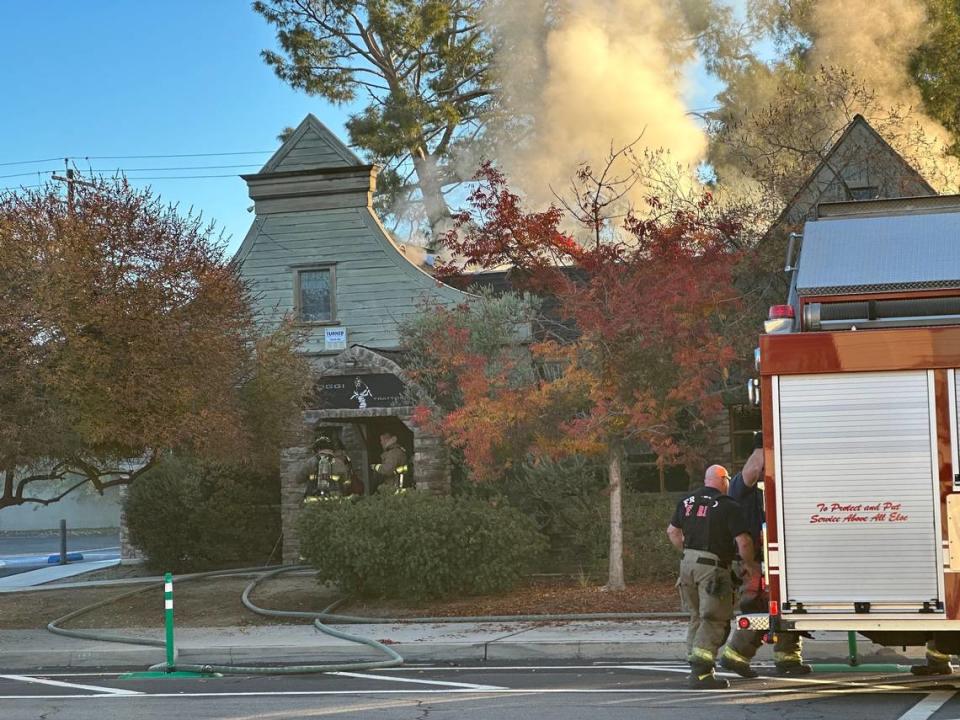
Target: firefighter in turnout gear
743	644
332	468
705	526
393	470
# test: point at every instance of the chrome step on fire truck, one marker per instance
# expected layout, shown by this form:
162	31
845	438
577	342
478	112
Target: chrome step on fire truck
858	386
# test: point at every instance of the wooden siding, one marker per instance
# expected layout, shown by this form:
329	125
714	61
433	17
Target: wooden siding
377	287
311	147
859	159
311	152
313	207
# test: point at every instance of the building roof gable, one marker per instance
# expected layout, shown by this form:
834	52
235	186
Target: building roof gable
311	146
823	177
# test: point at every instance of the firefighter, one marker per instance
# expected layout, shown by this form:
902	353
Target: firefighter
743	644
393	471
705	526
332	467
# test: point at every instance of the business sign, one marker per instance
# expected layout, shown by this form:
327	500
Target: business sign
359	392
335	338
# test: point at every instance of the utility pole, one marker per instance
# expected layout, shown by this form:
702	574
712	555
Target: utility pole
70	180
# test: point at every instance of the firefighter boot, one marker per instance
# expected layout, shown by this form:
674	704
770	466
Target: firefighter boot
701	677
735	662
935	668
938	663
785	669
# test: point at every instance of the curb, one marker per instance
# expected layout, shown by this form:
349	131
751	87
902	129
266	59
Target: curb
417	652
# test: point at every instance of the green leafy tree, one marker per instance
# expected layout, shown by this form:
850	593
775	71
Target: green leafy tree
423	67
935	69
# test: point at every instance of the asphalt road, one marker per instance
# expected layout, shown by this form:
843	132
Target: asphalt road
652	691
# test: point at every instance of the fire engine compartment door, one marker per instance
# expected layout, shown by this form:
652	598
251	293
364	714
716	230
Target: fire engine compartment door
858	494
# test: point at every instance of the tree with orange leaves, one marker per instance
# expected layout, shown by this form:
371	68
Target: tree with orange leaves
643	306
125	333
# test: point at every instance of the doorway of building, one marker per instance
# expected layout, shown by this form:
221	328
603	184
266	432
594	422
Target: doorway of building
360	439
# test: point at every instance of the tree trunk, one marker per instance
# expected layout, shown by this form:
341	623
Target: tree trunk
8	473
615	474
434	204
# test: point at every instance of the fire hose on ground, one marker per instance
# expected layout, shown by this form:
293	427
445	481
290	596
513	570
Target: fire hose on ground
321	620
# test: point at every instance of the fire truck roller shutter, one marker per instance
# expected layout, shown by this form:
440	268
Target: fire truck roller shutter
858	489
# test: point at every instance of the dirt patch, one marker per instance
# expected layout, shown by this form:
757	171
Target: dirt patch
539	597
216	602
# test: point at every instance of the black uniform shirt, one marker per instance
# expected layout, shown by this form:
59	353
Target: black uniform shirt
751	503
710	521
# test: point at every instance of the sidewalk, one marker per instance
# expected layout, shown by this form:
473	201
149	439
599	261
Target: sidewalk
434	643
501	642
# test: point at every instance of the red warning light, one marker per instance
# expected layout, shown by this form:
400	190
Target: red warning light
774	607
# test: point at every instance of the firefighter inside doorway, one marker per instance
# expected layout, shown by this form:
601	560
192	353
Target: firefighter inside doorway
389	450
392	473
331	471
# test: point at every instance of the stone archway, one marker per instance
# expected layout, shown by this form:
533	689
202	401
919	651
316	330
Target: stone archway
430	461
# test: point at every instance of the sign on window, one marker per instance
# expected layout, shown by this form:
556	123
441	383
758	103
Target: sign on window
335	338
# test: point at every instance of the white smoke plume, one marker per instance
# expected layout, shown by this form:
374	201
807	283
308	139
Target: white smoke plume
874	39
585	75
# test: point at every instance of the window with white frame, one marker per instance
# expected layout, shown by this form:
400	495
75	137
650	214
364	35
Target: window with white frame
315	290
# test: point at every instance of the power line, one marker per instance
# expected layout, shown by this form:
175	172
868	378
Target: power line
182	177
181	167
186	155
11	188
132	157
30	162
35	172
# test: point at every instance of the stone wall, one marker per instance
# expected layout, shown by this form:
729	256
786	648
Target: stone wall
431	465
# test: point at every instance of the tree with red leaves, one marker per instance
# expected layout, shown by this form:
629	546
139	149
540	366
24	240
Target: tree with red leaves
649	299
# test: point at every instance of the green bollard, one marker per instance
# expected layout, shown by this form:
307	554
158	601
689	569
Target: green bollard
171	671
168	618
852	645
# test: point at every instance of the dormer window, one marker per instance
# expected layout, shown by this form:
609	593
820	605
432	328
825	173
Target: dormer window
314	289
866	192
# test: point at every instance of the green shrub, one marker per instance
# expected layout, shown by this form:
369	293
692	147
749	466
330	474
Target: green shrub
417	546
569	502
186	516
647	553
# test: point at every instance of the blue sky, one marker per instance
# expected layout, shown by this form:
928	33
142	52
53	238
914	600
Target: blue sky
129	77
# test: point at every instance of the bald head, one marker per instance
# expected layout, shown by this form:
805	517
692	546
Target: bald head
717	477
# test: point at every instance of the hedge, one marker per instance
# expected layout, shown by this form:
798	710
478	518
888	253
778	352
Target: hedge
570	505
418	546
186	516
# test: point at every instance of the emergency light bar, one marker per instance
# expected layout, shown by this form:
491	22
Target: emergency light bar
780	319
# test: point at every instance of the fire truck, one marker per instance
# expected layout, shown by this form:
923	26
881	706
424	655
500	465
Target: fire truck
857	384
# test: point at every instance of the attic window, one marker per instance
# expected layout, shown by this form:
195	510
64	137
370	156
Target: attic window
867	192
315	294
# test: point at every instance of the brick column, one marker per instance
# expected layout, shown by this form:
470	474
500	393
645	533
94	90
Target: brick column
431	463
294	464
